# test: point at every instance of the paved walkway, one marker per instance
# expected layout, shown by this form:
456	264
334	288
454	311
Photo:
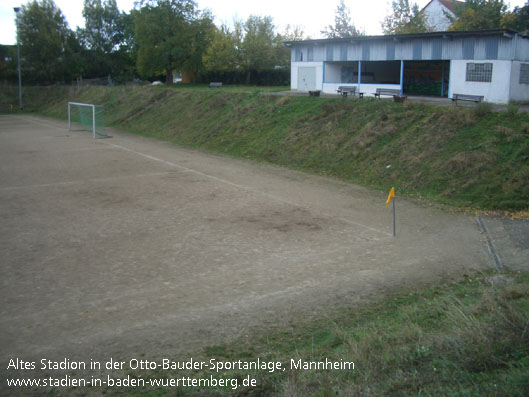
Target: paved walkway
437	101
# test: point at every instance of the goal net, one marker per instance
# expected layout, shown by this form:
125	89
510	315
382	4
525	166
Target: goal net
90	117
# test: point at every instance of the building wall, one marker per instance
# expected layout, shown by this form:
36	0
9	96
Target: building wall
497	91
500	49
522	49
519	92
294	73
436	18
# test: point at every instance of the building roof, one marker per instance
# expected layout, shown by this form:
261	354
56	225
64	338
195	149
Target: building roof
450	4
399	37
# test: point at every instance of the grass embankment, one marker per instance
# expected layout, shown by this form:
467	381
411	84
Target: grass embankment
470	158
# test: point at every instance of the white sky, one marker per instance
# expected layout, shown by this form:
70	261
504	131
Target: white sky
311	15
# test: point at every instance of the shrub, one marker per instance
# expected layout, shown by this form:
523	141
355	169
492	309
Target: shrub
483	108
512	109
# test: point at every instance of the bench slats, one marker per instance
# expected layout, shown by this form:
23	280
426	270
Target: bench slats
344	90
387	91
467	97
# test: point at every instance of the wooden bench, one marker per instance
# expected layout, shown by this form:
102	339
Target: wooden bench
344	90
465	97
215	84
386	91
315	93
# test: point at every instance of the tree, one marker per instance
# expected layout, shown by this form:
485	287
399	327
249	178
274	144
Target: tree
517	20
478	15
103	31
343	26
170	35
8	62
406	18
290	34
258	45
223	52
47	43
200	35
106	41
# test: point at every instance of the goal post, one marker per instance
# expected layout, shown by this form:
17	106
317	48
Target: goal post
90	116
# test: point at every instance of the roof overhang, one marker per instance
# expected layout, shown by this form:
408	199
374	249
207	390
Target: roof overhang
402	37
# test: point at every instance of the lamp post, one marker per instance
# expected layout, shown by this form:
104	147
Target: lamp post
17	9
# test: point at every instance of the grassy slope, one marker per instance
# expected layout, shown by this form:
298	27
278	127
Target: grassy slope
452	155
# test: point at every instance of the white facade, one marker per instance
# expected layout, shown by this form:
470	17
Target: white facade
496	91
486	63
435	16
519	90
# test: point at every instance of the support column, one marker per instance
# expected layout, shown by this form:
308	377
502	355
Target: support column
323	77
443	79
359	75
401	77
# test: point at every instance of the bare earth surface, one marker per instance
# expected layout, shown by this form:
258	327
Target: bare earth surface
128	246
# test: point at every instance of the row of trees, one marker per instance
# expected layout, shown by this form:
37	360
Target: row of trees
156	39
159	37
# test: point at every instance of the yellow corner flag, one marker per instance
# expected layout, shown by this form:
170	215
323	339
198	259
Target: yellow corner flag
391	195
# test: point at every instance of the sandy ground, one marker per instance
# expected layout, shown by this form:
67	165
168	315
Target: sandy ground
128	246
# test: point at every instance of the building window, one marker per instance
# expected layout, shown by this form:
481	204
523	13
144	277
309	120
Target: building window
524	73
310	54
437	49
480	72
348	74
417	50
343	52
468	48
491	48
299	55
330	52
390	50
366	51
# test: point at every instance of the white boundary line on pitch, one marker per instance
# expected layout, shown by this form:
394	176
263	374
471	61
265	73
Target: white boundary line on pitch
246	188
110	178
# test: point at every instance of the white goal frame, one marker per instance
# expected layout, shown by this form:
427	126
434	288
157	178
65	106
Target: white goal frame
93	116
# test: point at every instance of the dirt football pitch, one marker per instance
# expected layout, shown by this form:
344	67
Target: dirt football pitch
130	246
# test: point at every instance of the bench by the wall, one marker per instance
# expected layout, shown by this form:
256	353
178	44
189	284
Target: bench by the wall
215	84
386	91
344	90
466	97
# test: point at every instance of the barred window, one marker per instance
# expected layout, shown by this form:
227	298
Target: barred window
480	72
524	73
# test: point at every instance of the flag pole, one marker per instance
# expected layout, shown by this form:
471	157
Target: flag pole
392	196
394	219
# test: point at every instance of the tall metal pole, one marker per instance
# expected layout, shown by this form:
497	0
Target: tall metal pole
394	219
17	9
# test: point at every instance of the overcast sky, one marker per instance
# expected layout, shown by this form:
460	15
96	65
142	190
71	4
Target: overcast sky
311	15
